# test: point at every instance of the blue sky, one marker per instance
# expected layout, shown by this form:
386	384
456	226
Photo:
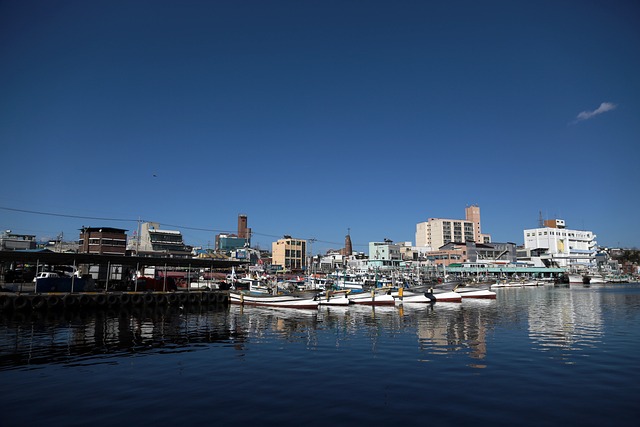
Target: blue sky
315	117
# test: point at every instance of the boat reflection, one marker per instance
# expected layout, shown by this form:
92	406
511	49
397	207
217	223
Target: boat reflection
558	321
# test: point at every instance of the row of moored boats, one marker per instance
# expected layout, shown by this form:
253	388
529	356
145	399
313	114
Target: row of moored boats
313	298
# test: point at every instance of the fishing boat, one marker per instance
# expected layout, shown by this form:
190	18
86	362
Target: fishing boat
403	296
348	281
266	300
380	296
334	298
586	278
443	295
437	294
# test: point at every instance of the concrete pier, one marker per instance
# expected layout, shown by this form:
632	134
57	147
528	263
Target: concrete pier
10	301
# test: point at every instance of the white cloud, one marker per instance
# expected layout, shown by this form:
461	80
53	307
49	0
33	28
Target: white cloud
603	108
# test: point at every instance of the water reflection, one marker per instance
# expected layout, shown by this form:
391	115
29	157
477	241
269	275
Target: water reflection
438	328
457	328
558	321
91	337
573	319
567	319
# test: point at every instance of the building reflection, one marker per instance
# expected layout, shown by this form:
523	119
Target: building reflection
566	320
77	337
554	319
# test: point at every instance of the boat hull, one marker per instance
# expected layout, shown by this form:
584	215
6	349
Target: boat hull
447	296
282	301
334	299
365	298
413	298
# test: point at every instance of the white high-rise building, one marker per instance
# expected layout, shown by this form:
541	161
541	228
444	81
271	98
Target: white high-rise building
560	245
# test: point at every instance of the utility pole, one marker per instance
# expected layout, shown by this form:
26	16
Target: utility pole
311	240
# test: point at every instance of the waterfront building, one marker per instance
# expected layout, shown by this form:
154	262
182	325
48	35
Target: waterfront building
437	232
17	242
460	252
332	261
102	240
559	246
384	254
289	253
408	252
154	241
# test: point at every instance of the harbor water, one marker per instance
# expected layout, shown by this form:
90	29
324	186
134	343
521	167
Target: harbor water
538	356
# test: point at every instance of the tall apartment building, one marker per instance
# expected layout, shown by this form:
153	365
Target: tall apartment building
437	232
289	253
560	245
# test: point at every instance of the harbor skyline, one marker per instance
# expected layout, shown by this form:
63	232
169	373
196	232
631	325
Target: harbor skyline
318	118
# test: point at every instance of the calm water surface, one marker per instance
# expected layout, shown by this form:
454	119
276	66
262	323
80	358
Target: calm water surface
546	356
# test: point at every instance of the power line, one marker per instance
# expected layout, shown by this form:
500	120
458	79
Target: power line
67	215
143	220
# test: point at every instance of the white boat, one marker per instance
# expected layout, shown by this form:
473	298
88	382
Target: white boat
439	294
595	278
402	296
254	284
317	282
374	297
575	278
442	295
266	300
338	298
586	278
348	281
